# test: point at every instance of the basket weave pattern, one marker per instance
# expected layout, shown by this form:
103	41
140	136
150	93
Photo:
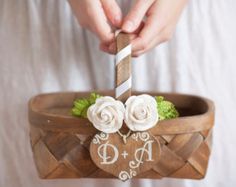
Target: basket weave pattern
64	155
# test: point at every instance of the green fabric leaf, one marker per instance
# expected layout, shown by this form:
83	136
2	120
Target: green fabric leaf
81	106
166	109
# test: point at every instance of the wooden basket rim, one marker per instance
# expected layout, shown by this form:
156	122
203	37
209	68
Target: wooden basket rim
69	123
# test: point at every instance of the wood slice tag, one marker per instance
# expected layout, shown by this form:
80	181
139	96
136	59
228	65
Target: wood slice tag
139	154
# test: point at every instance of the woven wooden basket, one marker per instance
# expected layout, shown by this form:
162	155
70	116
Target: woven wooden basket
60	141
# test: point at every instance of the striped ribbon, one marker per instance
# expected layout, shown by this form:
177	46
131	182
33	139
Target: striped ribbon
123	53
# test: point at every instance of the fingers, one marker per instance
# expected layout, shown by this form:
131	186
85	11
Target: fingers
149	31
163	36
90	15
158	28
111	48
112	11
136	15
162	16
99	23
104	48
156	41
161	20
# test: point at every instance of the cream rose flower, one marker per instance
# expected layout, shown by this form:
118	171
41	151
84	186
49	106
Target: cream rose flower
107	114
141	112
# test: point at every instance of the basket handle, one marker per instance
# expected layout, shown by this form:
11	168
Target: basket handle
123	77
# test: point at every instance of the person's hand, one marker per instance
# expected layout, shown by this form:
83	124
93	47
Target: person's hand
160	22
98	16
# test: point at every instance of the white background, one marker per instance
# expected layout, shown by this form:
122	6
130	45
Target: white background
42	49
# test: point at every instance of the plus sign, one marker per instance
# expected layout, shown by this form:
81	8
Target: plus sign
124	154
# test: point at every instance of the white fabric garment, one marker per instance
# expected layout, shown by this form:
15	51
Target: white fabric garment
42	49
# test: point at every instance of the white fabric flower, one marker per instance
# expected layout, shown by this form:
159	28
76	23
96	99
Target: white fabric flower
141	112
107	114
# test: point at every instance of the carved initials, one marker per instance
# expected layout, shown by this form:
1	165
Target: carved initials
139	153
147	148
102	152
125	161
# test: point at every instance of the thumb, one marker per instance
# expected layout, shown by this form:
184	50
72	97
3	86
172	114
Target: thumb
112	11
136	15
